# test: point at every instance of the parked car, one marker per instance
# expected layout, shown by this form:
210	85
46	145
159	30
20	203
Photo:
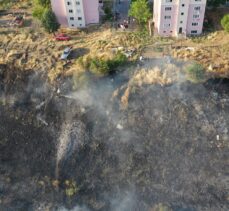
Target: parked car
62	37
66	53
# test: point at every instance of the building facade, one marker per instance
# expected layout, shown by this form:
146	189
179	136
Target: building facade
77	13
179	17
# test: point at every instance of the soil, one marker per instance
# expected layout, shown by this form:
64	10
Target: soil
168	147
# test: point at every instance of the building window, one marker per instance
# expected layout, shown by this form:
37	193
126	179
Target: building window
68	3
168	1
194	32
72	18
168	8
167	17
73	25
77	3
181	21
182	5
79	18
196	16
70	11
197	8
182	13
194	24
167	25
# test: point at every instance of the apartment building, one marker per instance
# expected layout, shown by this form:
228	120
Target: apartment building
77	13
179	17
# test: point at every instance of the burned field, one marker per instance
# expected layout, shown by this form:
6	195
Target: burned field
167	149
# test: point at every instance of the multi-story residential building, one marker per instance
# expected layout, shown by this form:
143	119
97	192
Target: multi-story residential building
77	13
179	17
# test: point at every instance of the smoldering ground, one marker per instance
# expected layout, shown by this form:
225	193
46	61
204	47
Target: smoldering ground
143	139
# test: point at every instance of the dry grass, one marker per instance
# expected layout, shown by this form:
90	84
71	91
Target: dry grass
37	50
164	75
211	52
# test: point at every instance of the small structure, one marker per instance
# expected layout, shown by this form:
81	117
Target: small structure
179	17
77	13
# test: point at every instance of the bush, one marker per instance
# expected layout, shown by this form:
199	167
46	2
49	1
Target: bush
195	73
71	188
119	59
225	22
100	66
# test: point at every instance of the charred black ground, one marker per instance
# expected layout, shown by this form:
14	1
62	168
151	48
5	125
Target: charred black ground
170	146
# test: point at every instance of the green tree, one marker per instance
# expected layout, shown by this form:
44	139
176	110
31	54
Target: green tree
44	3
225	22
139	9
38	12
39	7
215	3
49	21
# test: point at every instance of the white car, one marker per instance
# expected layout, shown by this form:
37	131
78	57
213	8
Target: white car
66	53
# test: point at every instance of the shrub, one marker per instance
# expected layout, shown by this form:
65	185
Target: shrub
225	22
119	59
71	188
195	73
99	66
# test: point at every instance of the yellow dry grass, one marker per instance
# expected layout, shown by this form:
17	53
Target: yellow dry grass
39	51
163	75
210	51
